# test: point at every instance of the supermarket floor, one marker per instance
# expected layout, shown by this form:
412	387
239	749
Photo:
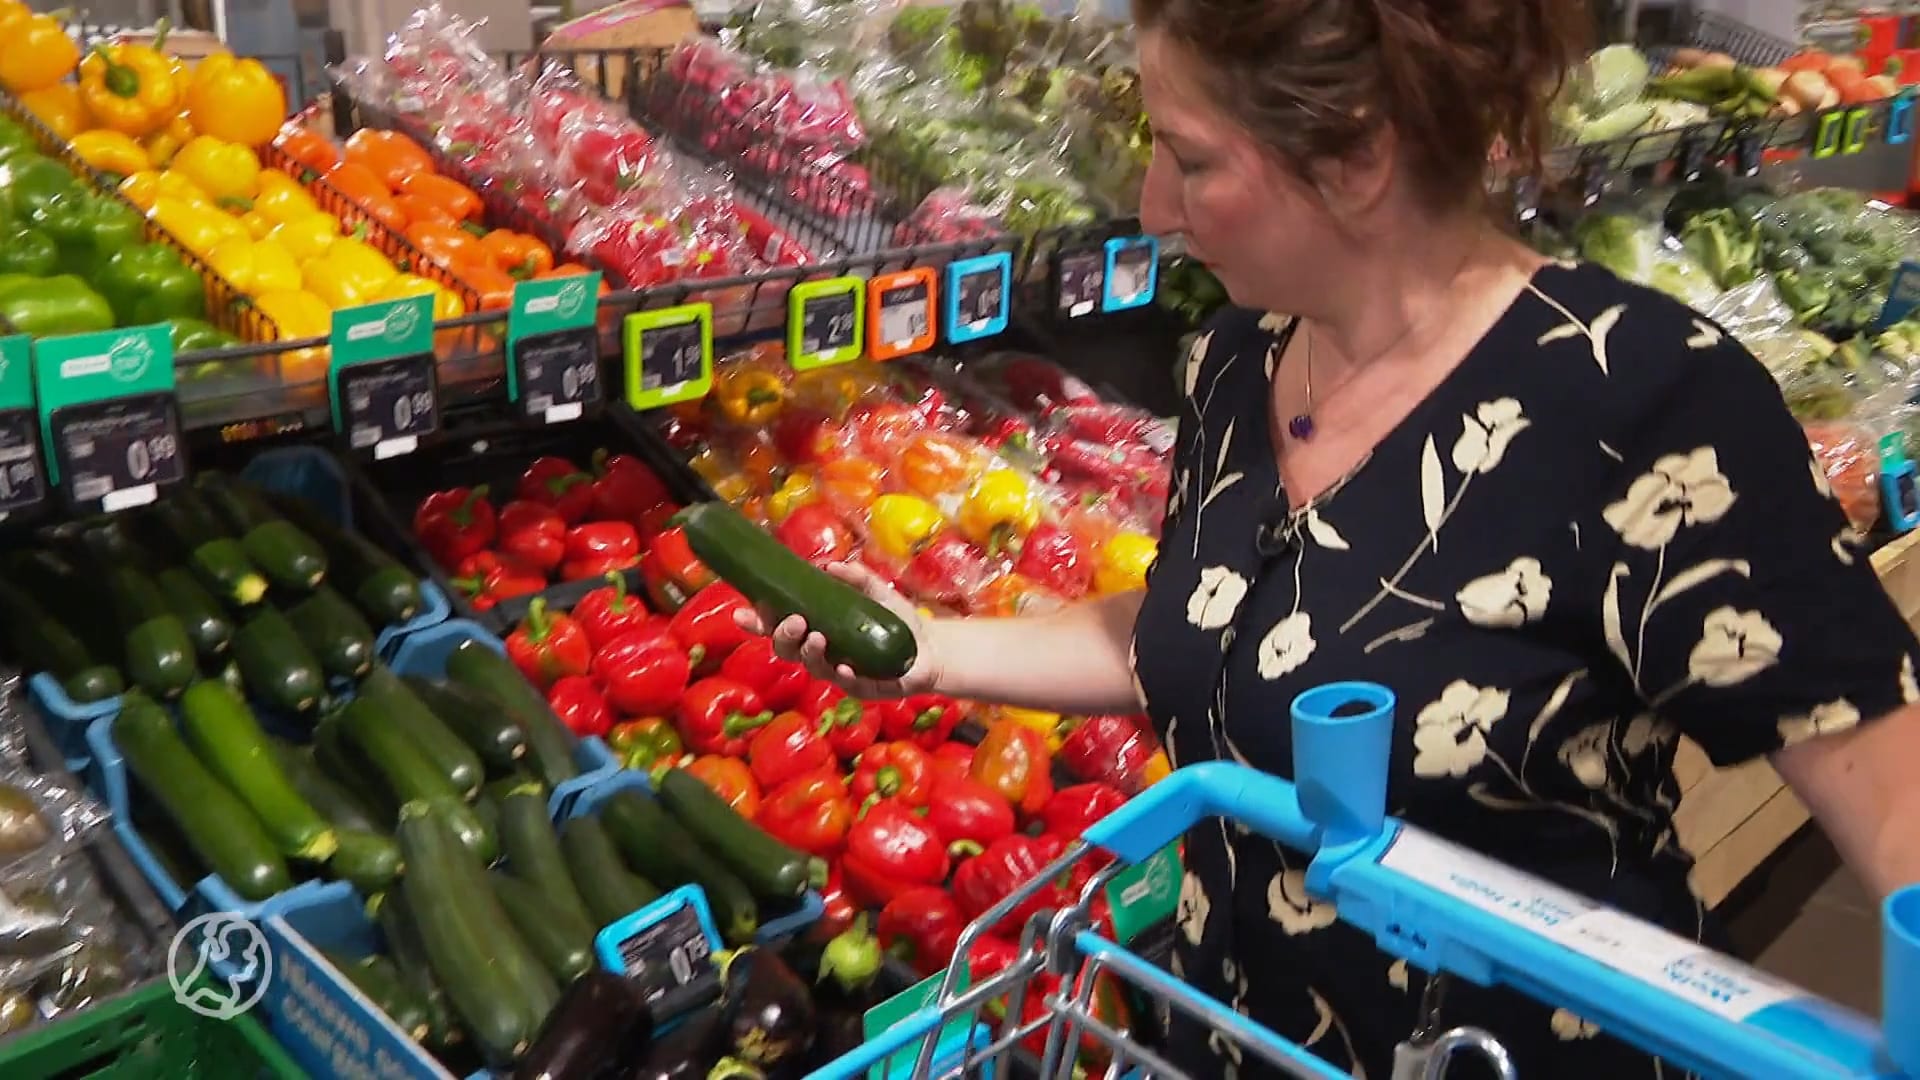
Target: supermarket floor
1814	924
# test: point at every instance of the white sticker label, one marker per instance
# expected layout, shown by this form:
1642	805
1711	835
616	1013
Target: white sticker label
1638	950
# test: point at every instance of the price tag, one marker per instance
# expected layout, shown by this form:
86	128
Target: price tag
955	1035
1900	118
669	355
1829	131
382	382
1690	158
1749	153
667	949
1859	125
1145	893
900	310
1133	273
23	481
1899	483
979	295
108	419
1079	282
1526	199
826	322
554	348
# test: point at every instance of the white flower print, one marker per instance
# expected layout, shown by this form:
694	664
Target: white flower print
1450	735
1734	647
1705	335
1909	686
1215	598
1273	322
1196	357
1681	489
1193	909
1484	435
1830	719
1643	732
1585	755
1324	533
1286	646
1568	1027
1513	597
1289	905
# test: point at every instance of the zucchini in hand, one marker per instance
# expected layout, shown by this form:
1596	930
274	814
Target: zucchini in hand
290	558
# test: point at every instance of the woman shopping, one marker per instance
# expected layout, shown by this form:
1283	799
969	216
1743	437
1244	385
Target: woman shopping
1564	518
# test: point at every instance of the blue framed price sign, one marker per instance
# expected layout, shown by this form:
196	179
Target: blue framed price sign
1133	273
979	297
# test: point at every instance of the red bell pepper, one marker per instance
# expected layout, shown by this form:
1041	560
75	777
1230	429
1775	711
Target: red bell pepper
706	626
815	533
533	533
787	747
608	612
599	549
967	814
1055	558
926	720
624	489
780	683
488	577
922	926
454	524
838	907
809	812
893	770
558	483
1013	760
1072	809
953	759
989	956
729	779
548	646
851	731
1115	750
890	850
946	571
671	571
578	702
716	715
645	673
1006	866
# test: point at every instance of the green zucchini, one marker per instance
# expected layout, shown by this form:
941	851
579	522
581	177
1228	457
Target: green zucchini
860	631
659	847
378	978
773	870
336	632
549	745
334	800
206	622
344	764
532	848
225	735
183	525
276	665
474	717
40	642
290	558
409	774
536	989
219	827
610	889
155	650
369	861
384	589
562	940
409	954
457	761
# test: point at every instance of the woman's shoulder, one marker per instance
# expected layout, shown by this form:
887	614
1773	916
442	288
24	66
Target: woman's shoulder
1233	338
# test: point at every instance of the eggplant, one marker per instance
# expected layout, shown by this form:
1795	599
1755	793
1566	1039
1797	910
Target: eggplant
600	1029
770	1017
688	1051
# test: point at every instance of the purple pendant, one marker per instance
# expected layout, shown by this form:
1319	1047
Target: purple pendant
1301	427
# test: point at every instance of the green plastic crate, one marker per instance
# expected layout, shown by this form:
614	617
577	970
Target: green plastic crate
144	1034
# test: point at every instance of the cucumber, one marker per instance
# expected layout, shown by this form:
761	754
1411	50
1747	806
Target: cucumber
344	764
276	665
183	526
773	870
220	828
859	630
225	735
536	989
289	558
562	940
154	648
369	861
409	954
609	888
379	980
39	642
533	854
549	745
474	717
409	774
457	761
335	631
206	622
384	589
659	847
335	802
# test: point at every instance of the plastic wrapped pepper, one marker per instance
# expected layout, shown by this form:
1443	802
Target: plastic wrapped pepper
1113	750
1122	563
900	525
131	89
1013	760
998	511
47	306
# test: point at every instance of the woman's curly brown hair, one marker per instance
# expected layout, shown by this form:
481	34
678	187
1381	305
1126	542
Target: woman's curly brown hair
1313	79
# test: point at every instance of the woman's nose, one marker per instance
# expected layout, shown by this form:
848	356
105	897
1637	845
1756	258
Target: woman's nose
1159	199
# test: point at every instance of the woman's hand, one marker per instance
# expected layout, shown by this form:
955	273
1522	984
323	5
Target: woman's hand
793	640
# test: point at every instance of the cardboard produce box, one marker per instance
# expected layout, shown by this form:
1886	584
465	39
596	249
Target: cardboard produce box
634	24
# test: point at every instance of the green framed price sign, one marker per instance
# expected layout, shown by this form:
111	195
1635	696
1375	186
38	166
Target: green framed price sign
826	322
953	1035
382	383
109	422
553	348
668	354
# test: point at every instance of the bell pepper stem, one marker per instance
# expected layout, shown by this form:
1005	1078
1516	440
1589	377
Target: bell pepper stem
818	873
538	625
843	713
618	605
119	79
853	957
740	723
886	781
696	654
928	718
599	462
964	849
463	514
472	586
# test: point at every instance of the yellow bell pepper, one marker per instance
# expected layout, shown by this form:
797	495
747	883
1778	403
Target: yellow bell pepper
39	53
182	187
350	274
111	151
162	145
255	268
795	491
1043	723
258	224
299	315
307	237
364	261
130	88
227	171
445	304
141	189
11	10
59	107
236	100
281	198
999	509
900	525
1122	563
198	227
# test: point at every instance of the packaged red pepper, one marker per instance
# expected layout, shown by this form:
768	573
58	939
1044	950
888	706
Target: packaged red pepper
1114	750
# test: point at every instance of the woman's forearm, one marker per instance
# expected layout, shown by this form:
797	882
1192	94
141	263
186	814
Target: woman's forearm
1075	660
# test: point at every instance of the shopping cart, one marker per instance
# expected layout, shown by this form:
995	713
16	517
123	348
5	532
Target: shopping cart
1440	907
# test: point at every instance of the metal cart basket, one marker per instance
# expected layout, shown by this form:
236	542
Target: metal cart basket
1441	907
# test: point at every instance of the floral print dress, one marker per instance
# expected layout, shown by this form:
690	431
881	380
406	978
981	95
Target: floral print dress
1602	532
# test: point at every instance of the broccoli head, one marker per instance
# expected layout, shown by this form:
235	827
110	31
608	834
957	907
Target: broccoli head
1725	245
915	29
1612	241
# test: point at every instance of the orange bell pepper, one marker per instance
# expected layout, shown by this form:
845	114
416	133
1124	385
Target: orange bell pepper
494	285
449	245
730	779
936	463
1013	760
420	210
309	148
388	155
518	254
851	482
366	190
458	199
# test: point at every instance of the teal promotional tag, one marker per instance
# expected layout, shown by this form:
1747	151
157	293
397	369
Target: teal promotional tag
384	390
553	348
109	421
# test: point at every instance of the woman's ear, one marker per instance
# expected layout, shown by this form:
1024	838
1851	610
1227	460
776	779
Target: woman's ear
1355	184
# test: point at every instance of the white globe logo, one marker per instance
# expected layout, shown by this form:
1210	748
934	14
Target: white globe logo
225	938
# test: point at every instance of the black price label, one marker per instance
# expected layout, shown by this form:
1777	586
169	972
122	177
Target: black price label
1082	281
672	962
1690	158
1748	148
390	405
118	453
906	314
559	373
1593	180
23	483
669	355
1526	199
982	296
827	323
